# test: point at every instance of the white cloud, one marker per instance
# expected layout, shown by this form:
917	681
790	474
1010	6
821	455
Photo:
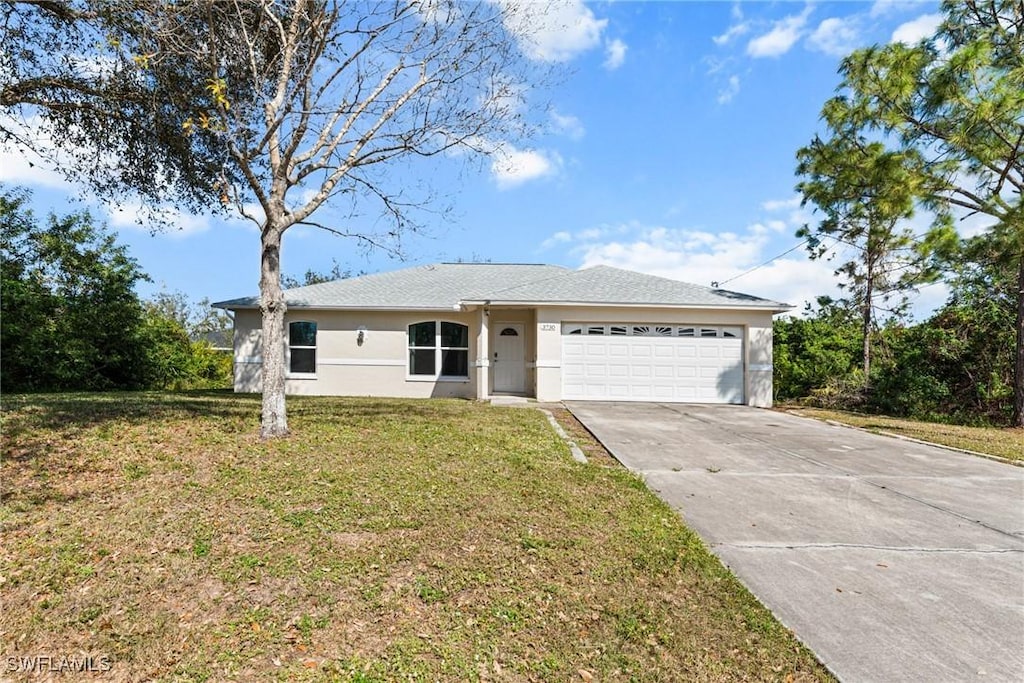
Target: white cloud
25	167
836	37
558	238
730	91
702	258
34	163
781	204
512	167
734	31
715	64
882	8
567	124
553	32
781	37
133	215
616	54
915	30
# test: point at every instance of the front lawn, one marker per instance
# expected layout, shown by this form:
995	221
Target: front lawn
1004	442
385	540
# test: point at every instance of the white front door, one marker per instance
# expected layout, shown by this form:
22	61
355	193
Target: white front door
509	356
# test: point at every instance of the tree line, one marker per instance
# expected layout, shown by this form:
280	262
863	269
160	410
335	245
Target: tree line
70	319
933	132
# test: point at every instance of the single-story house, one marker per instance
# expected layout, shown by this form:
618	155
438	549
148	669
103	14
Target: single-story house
476	330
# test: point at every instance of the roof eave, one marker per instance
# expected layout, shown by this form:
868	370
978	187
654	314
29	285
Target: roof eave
772	306
306	307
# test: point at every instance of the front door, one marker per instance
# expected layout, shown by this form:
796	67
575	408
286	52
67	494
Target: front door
509	352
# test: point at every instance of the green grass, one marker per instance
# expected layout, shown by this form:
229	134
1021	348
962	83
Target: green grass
1003	442
384	540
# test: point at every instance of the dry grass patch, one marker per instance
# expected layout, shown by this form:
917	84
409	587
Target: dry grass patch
1004	442
385	540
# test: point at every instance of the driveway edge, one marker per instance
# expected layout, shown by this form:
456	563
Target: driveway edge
901	437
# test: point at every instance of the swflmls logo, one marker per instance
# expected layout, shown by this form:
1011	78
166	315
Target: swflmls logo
57	664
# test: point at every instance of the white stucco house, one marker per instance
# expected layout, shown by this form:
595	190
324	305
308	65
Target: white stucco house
476	330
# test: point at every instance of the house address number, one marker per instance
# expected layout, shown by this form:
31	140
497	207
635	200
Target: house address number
548	327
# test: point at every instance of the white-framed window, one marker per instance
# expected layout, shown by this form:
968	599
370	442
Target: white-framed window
438	349
302	348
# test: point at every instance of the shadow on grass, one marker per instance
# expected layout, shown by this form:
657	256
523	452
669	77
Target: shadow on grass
26	412
22	414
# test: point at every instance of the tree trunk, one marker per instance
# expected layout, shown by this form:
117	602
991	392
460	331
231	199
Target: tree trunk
866	325
273	419
1018	363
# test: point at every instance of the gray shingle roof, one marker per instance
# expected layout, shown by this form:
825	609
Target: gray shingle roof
443	286
607	285
435	287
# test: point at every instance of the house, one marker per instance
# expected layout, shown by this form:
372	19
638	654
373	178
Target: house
475	330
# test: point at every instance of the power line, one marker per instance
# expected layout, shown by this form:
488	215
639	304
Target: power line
762	265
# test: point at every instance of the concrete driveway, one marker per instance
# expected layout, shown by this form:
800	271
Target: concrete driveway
892	561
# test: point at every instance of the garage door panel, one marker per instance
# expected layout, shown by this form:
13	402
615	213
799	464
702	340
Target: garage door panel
640	372
686	351
619	370
639	352
664	372
618	351
643	366
663	350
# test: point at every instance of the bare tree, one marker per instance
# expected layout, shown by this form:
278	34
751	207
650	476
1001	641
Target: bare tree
316	100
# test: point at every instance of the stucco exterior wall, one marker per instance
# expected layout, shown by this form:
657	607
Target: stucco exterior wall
377	367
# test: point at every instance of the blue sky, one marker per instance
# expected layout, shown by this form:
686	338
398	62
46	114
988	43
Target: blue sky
668	148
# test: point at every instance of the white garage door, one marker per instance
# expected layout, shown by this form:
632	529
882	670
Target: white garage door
644	362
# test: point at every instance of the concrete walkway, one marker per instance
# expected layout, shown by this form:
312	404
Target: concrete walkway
891	560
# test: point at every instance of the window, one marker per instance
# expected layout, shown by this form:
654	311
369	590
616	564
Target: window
509	332
437	345
651	331
302	348
595	329
709	332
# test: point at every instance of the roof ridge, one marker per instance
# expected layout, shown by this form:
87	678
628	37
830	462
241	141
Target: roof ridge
673	280
568	272
497	263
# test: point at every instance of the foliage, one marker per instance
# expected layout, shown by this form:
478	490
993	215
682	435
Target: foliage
315	277
957	365
79	86
866	193
70	318
957	99
811	352
198	319
174	360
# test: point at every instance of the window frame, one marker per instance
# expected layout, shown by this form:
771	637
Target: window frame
439	350
291	374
